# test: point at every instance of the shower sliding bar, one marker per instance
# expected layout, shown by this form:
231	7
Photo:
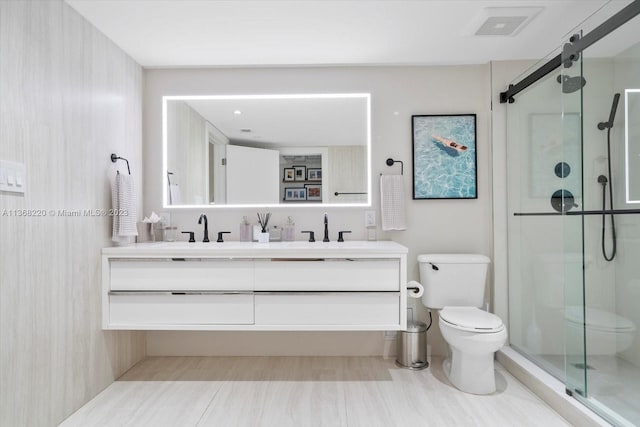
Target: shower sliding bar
582	213
572	50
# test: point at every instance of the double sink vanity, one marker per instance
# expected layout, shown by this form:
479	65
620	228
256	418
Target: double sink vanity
357	285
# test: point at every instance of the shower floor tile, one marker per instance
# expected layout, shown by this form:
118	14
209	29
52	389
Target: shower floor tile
612	383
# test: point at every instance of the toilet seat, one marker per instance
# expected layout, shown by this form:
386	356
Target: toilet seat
471	319
598	320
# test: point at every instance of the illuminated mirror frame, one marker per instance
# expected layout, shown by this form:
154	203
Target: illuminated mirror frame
165	99
626	141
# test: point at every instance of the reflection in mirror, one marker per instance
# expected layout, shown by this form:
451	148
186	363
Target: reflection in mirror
266	150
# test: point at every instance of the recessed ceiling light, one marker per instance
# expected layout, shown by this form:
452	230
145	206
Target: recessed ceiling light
237	112
245	130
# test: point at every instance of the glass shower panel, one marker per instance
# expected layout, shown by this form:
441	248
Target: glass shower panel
609	366
536	164
572	208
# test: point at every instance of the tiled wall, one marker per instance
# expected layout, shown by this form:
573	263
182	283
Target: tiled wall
68	98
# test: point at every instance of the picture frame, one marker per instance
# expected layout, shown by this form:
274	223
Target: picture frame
295	194
444	156
314	192
314	174
300	173
289	174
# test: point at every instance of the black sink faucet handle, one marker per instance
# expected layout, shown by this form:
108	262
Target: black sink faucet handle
340	235
192	236
220	233
312	236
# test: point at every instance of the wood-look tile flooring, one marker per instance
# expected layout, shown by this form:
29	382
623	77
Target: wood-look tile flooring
304	391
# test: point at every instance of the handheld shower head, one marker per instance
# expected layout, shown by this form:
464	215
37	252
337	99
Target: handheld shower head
602	180
612	113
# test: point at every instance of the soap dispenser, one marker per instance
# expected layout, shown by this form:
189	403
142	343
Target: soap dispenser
289	231
245	230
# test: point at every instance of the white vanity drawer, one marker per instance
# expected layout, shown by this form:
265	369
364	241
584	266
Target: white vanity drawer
327	275
177	275
153	308
336	308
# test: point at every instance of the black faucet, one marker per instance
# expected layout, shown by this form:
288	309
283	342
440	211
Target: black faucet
206	227
312	237
326	228
341	235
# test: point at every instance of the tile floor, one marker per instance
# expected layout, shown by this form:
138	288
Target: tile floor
304	391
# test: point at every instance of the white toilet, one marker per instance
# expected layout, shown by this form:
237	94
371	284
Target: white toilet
454	284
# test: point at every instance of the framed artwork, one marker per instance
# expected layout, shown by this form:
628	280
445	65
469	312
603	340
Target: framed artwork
300	173
314	174
289	174
444	156
314	192
295	194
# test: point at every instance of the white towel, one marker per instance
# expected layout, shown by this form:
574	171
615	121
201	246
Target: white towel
174	195
392	202
123	198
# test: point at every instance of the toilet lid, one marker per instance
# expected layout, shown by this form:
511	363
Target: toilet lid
471	318
599	319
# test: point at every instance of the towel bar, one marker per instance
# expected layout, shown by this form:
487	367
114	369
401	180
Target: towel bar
391	162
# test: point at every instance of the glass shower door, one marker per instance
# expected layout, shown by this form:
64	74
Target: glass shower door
602	229
570	204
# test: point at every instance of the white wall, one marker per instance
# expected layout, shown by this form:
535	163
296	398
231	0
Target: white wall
68	99
396	94
186	128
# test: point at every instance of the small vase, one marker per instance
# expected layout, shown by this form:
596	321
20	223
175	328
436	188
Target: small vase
263	238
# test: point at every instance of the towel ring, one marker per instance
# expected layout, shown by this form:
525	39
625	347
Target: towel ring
391	162
115	158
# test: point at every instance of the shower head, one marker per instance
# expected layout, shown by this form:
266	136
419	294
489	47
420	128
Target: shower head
571	84
612	114
602	180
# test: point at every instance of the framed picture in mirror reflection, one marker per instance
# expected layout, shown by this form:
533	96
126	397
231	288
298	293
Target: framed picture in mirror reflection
314	192
289	174
314	174
295	194
300	173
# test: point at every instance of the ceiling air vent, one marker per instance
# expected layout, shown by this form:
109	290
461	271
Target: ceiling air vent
504	21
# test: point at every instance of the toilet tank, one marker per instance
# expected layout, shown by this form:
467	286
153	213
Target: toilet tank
453	279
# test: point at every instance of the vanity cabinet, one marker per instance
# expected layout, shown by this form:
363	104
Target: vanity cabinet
252	286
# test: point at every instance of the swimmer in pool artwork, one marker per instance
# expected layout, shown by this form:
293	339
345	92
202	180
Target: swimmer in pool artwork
449	143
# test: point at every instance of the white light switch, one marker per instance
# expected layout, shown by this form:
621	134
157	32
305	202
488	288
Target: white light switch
12	177
370	218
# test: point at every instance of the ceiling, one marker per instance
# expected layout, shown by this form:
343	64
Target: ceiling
186	33
295	121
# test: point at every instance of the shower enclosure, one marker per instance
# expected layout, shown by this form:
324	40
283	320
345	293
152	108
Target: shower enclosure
573	165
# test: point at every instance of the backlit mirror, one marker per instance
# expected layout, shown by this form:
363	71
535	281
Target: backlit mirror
266	150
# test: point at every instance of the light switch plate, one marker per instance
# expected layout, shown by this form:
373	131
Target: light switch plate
370	218
13	177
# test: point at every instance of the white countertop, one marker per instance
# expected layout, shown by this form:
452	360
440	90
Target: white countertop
299	249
